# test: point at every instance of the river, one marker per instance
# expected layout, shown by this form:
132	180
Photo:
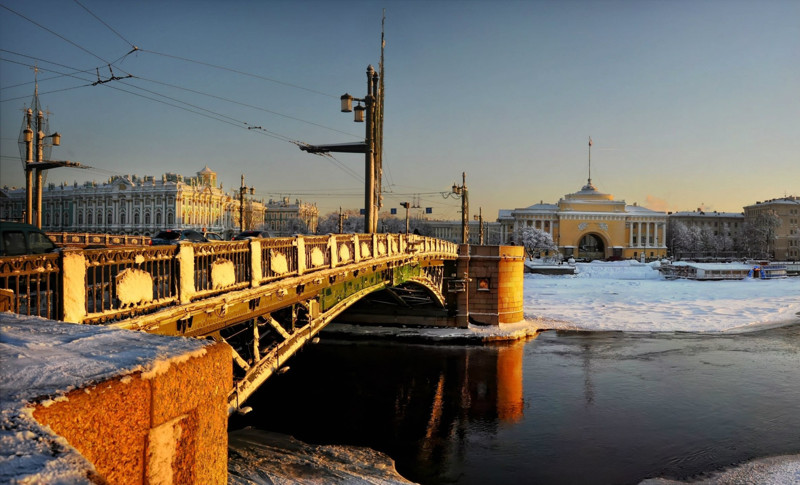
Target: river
564	407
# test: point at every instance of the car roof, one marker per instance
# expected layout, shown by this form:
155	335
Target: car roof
20	226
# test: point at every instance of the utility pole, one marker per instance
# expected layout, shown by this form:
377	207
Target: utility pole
341	221
406	205
479	218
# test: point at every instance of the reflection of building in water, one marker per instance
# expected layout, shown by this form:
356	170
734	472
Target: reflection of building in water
510	400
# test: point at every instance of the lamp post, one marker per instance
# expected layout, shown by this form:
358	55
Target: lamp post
36	145
479	218
372	139
461	191
406	205
243	189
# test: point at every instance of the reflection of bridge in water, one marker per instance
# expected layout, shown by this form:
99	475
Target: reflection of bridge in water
264	297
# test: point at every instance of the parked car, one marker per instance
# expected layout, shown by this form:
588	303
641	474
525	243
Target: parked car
18	239
248	234
214	236
174	236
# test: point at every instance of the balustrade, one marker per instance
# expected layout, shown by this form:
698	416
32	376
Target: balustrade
100	285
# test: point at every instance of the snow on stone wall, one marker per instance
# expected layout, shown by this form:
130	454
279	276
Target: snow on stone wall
344	253
317	257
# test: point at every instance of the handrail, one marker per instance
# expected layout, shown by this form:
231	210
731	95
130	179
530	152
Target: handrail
101	285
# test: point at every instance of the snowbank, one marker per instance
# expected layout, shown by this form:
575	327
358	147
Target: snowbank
43	360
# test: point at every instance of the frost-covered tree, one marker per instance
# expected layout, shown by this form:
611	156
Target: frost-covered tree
329	224
296	226
761	232
535	241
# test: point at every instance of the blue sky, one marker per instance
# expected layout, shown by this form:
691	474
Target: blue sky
689	104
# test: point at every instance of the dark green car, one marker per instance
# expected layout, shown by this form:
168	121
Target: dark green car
18	239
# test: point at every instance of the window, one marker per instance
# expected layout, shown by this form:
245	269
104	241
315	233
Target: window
122	218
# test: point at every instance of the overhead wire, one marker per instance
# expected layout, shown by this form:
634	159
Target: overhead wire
203	111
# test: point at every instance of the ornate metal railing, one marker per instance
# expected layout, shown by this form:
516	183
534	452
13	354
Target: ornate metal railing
34	282
87	240
100	285
125	281
221	266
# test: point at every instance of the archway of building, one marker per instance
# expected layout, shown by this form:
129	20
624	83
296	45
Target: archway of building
592	246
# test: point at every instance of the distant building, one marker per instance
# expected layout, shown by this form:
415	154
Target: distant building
726	228
138	205
786	243
280	214
451	231
592	225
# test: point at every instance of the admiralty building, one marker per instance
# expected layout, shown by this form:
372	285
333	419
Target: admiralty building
138	205
592	225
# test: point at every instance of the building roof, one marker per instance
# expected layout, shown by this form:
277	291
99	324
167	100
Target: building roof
703	214
792	200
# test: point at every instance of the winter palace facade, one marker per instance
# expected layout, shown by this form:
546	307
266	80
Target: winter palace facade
592	225
138	206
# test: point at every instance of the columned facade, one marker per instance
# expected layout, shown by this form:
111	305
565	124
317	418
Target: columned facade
589	224
138	206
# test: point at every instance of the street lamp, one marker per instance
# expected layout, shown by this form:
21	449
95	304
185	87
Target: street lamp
37	146
461	191
479	218
372	139
406	205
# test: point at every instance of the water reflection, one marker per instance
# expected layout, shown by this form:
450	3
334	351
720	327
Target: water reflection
567	407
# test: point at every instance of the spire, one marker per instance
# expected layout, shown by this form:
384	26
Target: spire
589	185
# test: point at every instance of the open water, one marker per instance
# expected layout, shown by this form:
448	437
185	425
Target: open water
565	407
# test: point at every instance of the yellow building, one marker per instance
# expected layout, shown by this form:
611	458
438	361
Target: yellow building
590	225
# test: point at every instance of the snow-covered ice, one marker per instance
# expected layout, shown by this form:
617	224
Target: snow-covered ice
634	297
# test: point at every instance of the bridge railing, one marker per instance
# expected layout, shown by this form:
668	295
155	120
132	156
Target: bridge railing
88	239
101	285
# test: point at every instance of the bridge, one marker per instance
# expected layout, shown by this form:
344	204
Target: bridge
266	298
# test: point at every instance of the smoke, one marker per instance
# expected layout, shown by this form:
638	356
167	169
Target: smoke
656	204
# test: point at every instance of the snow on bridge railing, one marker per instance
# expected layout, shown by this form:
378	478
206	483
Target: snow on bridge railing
102	285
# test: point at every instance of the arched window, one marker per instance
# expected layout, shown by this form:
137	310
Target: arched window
99	218
122	218
158	218
80	218
66	218
110	218
147	218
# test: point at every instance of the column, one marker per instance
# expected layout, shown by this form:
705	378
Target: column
655	235
630	234
647	235
639	234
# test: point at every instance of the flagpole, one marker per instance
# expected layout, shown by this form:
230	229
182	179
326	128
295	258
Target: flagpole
590	160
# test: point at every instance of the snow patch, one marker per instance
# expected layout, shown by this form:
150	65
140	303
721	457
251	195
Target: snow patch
134	286
317	257
344	253
223	273
278	263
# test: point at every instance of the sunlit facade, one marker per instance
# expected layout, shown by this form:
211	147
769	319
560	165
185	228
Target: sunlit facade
592	225
137	205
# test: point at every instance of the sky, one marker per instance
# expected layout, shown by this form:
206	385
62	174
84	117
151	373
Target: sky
689	104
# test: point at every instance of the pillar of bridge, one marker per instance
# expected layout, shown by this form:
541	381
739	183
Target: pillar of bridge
494	291
165	425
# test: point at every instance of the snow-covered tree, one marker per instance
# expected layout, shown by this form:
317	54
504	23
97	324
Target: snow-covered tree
329	224
535	241
761	232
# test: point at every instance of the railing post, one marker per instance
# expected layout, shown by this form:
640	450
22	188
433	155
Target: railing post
389	238
402	244
255	263
374	245
185	272
356	249
73	285
333	249
300	243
